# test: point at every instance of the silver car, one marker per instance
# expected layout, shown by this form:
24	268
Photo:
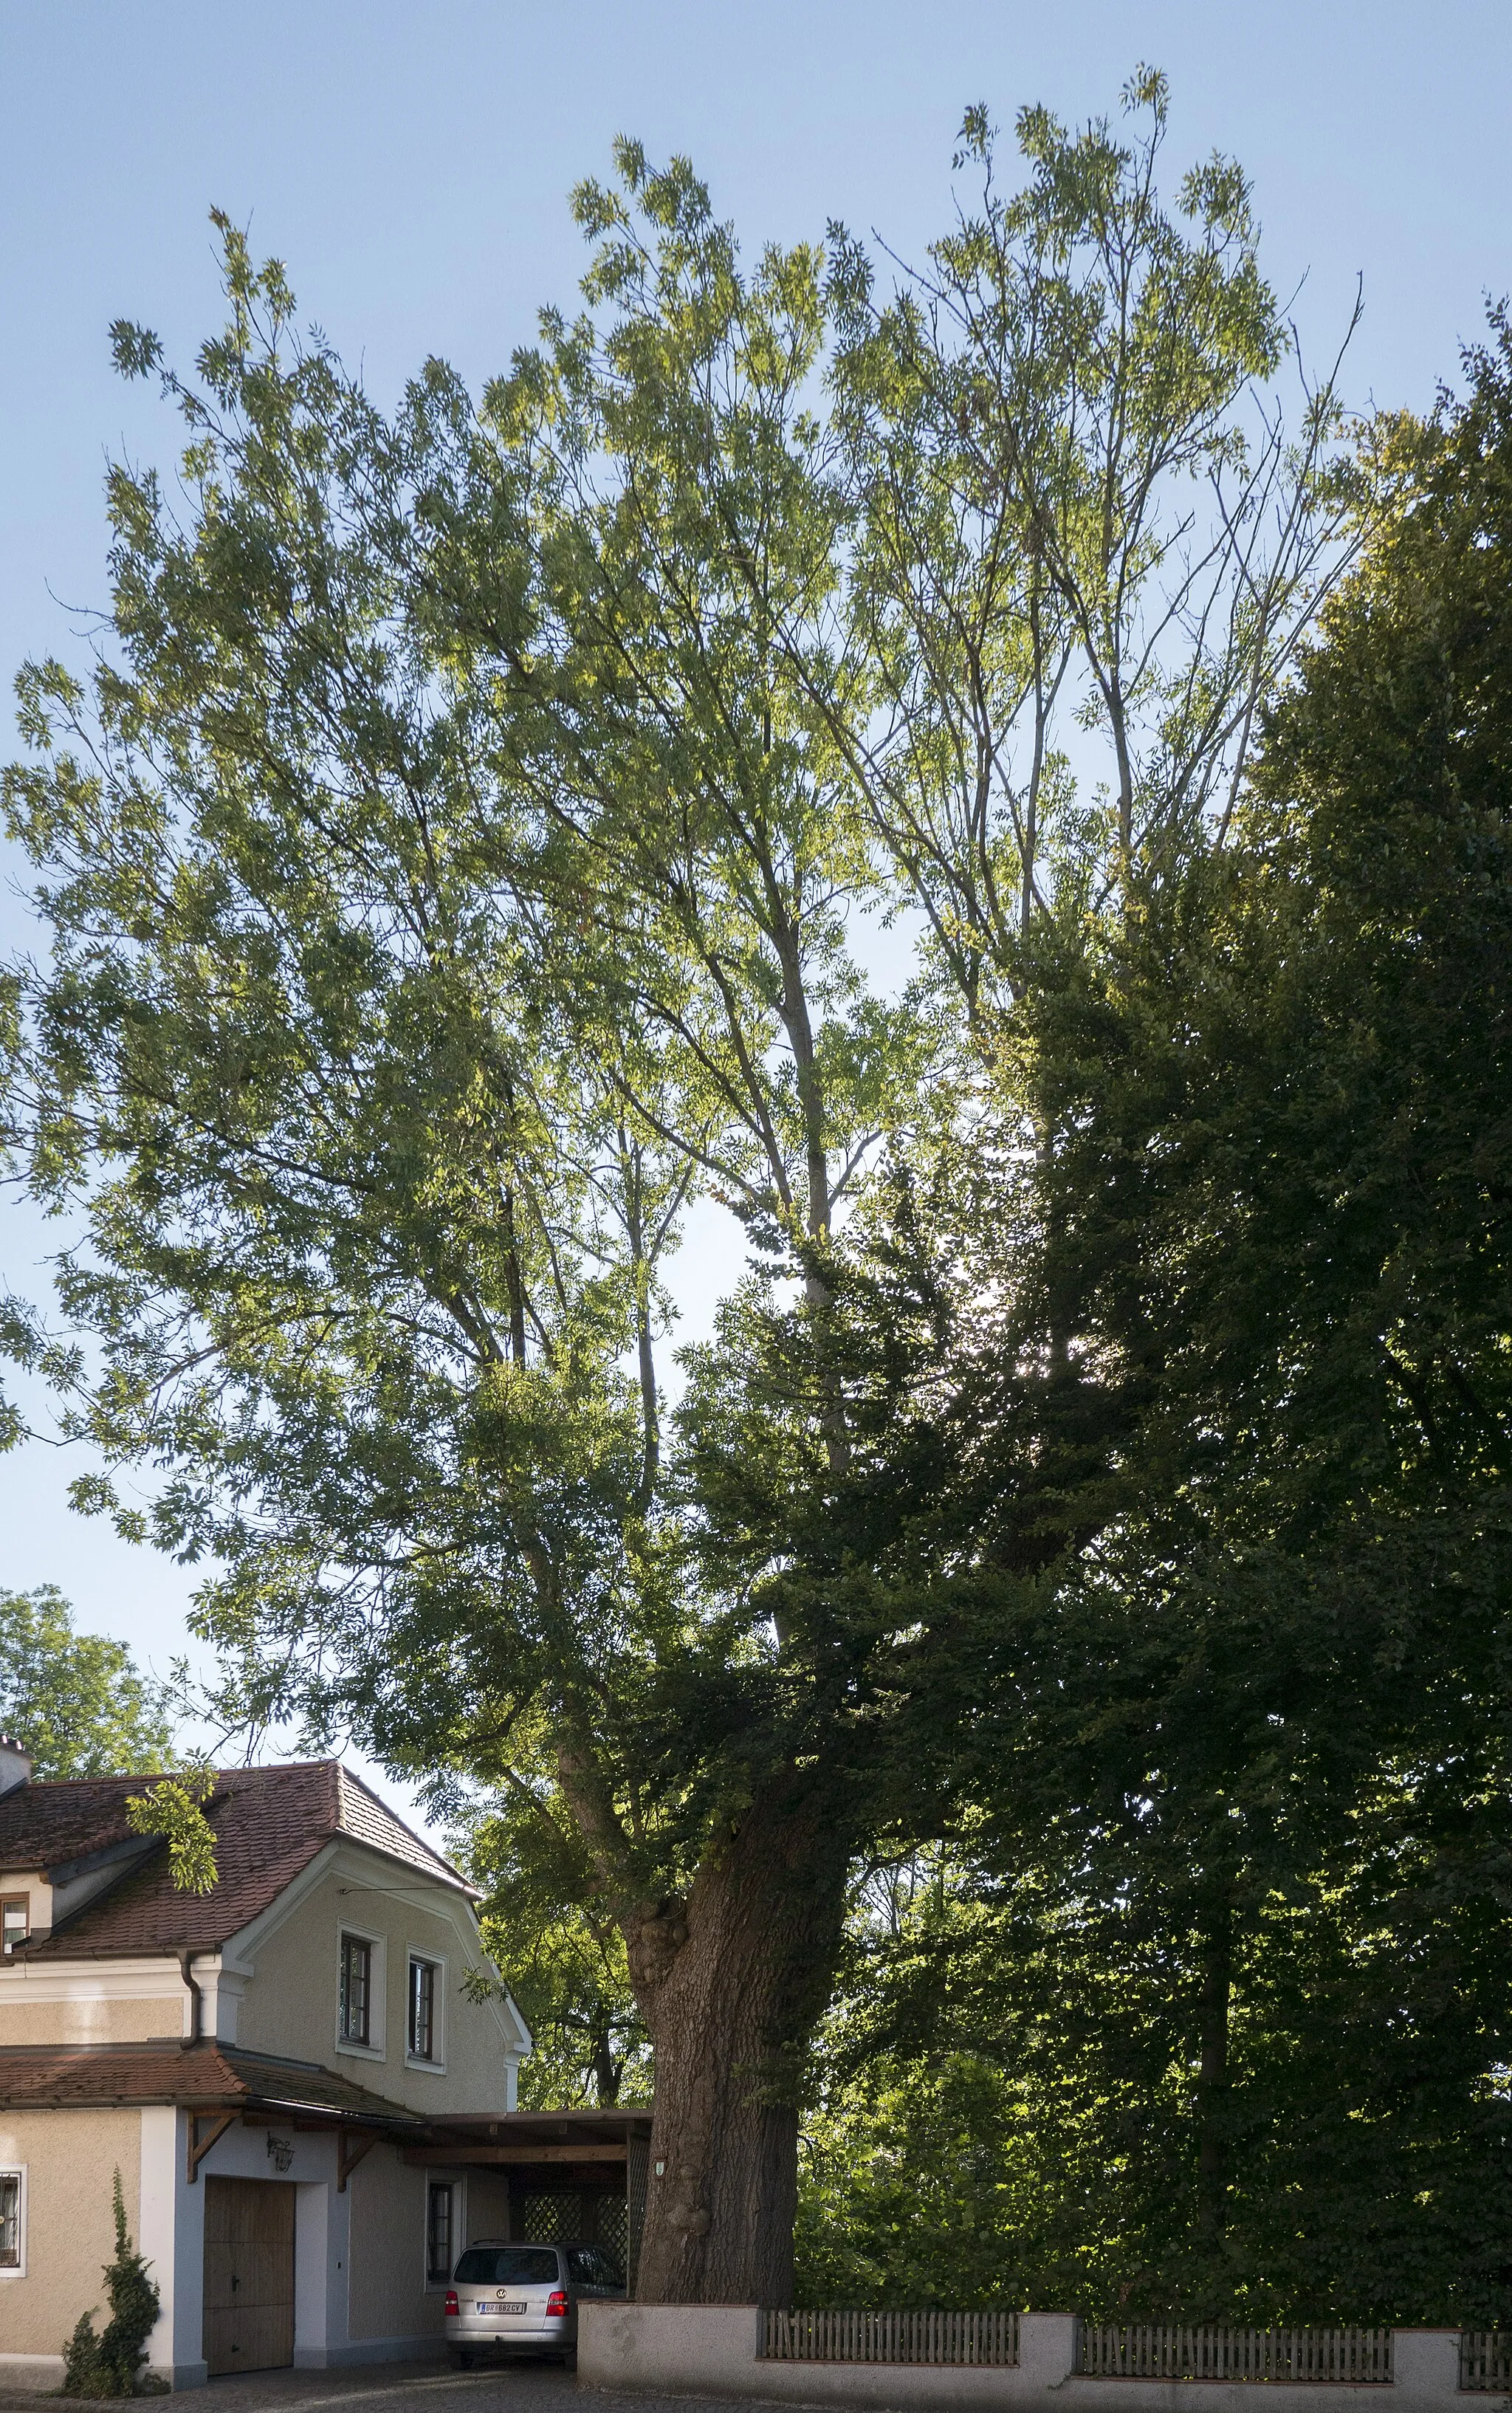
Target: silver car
509	2299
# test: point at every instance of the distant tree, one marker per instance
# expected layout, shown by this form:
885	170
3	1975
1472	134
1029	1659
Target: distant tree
565	1962
76	1700
1006	2097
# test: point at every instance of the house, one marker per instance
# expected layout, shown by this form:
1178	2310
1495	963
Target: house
305	2077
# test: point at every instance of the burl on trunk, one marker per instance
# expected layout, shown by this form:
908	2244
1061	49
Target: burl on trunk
730	1984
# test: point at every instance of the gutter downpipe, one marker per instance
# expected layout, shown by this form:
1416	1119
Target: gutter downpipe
197	2000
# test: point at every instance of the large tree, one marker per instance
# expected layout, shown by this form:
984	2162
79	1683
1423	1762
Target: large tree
1229	1924
450	872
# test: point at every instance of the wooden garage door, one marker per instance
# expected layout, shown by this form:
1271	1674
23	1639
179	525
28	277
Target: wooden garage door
249	2274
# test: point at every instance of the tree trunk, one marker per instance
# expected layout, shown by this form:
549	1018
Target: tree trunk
1212	2072
730	1984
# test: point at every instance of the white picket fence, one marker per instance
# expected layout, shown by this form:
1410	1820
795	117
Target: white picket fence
1486	2361
890	2337
1155	2350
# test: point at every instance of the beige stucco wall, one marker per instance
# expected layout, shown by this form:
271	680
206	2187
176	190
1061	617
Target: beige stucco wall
388	2295
38	1892
290	2004
70	2229
88	2018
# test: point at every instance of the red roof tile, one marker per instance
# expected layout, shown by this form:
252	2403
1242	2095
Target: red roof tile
208	2076
269	1822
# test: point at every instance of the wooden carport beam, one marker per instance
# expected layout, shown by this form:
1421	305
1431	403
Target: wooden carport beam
420	2155
199	2146
349	2154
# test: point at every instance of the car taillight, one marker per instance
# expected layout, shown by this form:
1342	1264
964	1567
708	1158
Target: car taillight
451	2304
556	2303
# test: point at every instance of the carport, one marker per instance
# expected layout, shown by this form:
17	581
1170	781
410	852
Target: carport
571	2175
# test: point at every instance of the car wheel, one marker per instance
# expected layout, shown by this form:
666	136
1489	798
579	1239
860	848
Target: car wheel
570	2358
459	2360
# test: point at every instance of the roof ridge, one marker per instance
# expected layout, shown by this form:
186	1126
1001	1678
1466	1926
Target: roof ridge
348	1776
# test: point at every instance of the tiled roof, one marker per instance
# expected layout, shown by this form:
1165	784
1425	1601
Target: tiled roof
46	1826
207	2076
367	1820
269	1822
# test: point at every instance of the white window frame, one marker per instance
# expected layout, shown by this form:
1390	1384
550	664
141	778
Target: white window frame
378	1989
16	2270
437	2064
23	1894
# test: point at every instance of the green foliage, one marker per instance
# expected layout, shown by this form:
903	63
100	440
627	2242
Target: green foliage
565	1961
453	873
111	2365
75	1700
174	1810
1007	2105
1216	2016
84	2370
1029	423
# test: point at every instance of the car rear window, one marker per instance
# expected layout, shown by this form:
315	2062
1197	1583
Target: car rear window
507	2266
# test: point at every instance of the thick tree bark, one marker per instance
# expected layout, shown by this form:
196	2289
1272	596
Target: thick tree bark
730	1984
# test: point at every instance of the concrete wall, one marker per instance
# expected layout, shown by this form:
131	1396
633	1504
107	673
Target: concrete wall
390	2292
360	2288
69	2159
712	2350
290	2004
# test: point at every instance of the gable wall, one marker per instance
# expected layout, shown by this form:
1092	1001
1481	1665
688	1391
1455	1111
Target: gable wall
290	2002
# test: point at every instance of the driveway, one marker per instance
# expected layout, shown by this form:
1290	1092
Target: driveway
408	2388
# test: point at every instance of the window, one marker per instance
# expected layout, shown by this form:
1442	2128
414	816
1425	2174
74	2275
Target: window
508	2266
438	2235
424	2037
12	2223
356	1990
15	1920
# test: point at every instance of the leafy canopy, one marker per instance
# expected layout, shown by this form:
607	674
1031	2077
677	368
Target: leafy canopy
76	1700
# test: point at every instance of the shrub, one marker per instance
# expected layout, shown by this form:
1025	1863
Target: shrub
111	2363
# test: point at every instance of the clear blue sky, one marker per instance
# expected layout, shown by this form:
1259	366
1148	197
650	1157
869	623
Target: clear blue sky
409	161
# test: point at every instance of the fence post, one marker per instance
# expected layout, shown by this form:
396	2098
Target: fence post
1425	2368
1047	2347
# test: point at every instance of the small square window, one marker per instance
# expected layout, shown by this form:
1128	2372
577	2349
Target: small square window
438	2235
356	1990
422	1992
15	1920
10	2236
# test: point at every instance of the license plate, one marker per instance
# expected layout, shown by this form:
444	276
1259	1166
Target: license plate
490	2307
